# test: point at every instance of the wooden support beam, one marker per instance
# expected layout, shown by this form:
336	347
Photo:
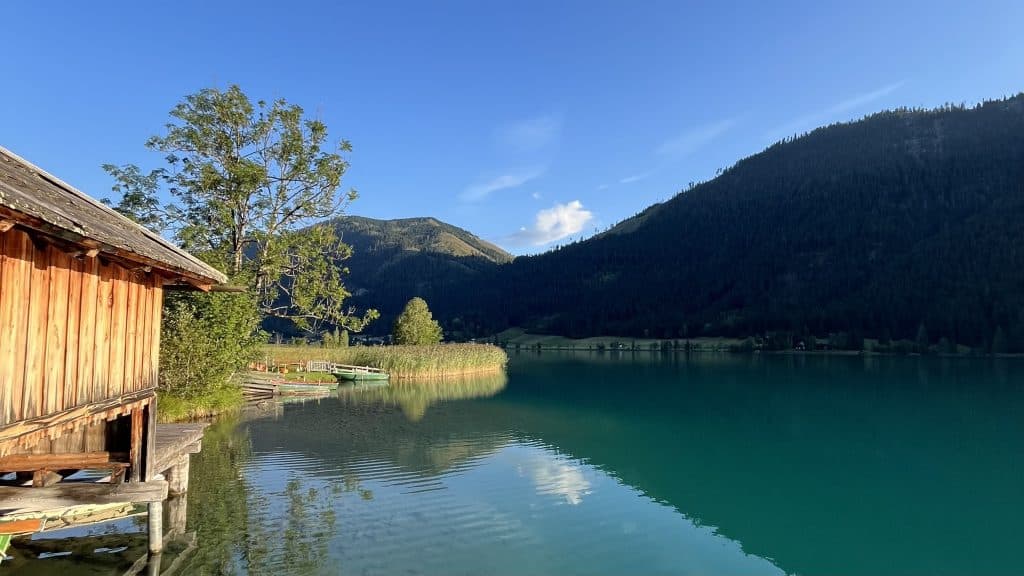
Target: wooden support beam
184	286
149	442
44	478
137	446
177	515
68	494
156	524
203	286
177	476
153	567
31	462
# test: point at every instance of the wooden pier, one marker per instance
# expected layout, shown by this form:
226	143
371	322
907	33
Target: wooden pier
28	509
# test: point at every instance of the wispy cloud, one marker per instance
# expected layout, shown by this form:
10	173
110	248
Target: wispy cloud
532	134
514	179
556	477
819	117
634	178
535	195
555	223
694	139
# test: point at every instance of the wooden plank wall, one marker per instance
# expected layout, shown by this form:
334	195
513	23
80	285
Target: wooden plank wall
73	329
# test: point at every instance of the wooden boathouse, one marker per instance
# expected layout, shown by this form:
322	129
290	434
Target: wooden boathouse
81	289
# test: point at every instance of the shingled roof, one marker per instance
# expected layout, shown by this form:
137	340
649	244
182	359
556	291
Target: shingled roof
36	199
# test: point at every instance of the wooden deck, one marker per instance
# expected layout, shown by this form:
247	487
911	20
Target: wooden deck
172	447
174	441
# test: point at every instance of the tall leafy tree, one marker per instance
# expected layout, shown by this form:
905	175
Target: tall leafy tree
245	180
415	325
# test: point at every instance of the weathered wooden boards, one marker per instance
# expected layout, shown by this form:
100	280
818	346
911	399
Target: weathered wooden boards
26	435
74	329
31	197
174	441
67	494
53	461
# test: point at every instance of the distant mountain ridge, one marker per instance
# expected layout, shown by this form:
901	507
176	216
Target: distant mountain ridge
394	260
905	224
415	235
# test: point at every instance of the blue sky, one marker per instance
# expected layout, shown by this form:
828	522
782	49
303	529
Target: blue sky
528	123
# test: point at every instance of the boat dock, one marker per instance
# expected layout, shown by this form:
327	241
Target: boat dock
265	385
68	503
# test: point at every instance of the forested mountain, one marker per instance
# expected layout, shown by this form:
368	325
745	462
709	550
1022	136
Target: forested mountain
905	224
394	260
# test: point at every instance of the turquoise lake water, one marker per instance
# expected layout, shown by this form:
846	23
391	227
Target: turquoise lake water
580	463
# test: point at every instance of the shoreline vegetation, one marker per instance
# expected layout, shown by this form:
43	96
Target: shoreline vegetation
417	365
839	344
402	362
222	400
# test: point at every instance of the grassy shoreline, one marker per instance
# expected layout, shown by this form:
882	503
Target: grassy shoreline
172	408
402	362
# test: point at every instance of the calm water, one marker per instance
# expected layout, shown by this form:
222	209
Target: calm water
587	464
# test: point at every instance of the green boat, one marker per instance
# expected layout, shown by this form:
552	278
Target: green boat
359	373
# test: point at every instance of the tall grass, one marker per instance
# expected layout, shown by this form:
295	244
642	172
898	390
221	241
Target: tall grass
436	361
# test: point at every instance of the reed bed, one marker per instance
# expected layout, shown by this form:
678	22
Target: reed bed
437	361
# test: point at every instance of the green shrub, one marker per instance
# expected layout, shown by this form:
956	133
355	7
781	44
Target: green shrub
205	339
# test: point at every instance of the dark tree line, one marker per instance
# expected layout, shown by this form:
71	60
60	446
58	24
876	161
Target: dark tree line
904	219
907	219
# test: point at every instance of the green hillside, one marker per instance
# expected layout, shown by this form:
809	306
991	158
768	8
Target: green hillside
905	224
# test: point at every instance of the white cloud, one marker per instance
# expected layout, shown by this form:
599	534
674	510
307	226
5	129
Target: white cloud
602	186
634	178
694	139
555	223
535	195
514	179
532	134
559	478
820	117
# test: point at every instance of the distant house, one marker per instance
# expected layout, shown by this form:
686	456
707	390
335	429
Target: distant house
81	289
371	340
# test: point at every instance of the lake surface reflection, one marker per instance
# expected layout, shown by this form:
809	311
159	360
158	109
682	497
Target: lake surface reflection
613	464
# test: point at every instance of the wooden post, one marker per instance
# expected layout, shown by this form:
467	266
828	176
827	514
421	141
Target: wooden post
153	564
177	476
149	441
156	524
177	515
137	448
156	527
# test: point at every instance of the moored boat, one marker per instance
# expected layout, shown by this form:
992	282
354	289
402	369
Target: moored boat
358	373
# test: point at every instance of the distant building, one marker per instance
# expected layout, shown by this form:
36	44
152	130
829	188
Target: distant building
371	340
